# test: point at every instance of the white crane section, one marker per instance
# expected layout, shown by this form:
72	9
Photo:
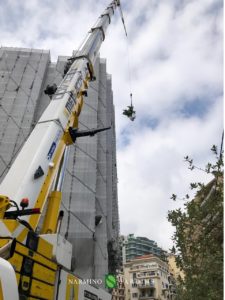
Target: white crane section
39	150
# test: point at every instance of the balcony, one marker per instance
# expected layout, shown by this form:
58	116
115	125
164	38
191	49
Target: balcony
146	297
148	274
146	285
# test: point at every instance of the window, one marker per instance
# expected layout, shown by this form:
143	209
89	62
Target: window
134	295
150	293
152	273
151	282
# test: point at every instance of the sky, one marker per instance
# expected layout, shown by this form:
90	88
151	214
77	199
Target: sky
172	62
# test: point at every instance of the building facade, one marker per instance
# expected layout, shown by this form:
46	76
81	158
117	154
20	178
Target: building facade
173	268
132	247
118	293
148	278
91	220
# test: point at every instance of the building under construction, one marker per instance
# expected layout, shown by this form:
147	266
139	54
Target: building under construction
89	203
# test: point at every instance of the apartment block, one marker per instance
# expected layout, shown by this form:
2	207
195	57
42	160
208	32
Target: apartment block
132	247
118	293
148	278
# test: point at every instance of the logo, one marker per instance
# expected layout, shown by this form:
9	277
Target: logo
110	281
53	145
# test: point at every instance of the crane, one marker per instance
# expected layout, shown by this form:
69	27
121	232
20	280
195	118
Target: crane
38	266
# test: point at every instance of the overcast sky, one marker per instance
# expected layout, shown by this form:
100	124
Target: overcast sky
175	52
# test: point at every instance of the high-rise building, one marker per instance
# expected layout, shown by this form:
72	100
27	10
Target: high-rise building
133	247
91	220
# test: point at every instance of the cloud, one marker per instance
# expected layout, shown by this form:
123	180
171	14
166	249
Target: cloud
175	54
152	168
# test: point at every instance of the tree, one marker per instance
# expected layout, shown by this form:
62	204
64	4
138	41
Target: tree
198	237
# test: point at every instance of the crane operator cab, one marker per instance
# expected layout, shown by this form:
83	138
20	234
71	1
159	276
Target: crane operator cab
130	112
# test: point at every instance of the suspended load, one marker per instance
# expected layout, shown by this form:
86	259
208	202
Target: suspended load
130	112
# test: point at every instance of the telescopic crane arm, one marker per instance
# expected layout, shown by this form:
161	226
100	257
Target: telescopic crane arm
34	172
42	261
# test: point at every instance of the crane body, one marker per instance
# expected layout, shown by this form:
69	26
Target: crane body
41	259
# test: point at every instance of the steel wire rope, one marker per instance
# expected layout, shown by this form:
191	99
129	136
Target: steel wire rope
20	127
6	89
86	186
84	183
8	115
129	69
92	159
84	125
78	179
83	151
85	225
78	218
98	169
19	85
16	152
90	106
98	140
105	151
128	55
104	87
93	88
70	196
36	71
100	121
100	99
89	190
12	118
97	91
105	257
4	162
28	63
29	97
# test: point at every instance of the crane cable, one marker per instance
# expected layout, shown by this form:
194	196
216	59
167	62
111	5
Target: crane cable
129	71
122	18
128	52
